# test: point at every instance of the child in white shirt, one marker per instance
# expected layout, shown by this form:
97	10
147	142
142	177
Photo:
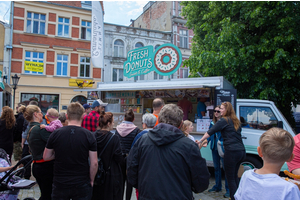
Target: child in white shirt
275	148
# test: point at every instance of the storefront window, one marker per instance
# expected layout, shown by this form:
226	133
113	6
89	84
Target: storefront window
45	101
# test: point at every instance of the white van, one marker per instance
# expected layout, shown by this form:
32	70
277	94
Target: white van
259	116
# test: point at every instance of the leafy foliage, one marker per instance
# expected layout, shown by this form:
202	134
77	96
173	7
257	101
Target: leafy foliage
255	45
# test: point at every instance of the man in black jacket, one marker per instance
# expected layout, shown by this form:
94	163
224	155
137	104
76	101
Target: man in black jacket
164	164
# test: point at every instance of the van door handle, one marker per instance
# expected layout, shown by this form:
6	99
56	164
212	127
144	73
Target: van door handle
244	137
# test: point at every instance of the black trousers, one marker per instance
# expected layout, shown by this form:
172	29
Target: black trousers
232	162
25	152
129	187
43	173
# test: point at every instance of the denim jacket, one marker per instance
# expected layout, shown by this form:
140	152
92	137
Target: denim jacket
214	138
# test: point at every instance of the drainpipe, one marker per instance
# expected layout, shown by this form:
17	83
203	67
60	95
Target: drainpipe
10	40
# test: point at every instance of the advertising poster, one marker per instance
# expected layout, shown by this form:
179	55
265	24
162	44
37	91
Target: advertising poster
203	125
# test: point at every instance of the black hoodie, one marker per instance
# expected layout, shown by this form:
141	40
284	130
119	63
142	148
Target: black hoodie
164	164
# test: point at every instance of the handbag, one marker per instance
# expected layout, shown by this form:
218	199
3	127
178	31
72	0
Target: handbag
220	147
101	172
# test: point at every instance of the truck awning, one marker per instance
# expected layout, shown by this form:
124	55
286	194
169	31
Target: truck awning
186	83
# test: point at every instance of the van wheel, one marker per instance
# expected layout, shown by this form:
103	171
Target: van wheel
251	162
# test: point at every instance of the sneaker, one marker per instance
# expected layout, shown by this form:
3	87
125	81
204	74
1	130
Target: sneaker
226	195
213	190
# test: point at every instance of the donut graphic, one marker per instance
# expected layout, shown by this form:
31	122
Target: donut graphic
166	59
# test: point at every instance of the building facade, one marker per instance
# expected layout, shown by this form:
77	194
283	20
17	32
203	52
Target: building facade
51	52
5	54
121	39
166	16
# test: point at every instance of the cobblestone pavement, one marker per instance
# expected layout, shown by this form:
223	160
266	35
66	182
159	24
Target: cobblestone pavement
35	193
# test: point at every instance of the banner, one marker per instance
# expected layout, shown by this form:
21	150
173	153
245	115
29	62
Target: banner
165	60
34	66
97	37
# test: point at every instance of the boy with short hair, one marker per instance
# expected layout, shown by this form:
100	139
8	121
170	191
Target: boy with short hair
275	148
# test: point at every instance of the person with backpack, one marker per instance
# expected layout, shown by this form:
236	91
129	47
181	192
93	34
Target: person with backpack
110	185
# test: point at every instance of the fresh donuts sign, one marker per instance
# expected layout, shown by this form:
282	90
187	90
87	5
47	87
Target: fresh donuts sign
165	60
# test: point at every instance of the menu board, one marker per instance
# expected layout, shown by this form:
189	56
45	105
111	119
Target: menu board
228	95
203	125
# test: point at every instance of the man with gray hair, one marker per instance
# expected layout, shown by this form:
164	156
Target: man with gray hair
149	121
164	160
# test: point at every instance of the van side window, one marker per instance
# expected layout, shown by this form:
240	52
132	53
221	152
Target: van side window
257	117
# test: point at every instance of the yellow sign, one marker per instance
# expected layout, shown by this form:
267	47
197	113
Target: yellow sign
80	83
34	66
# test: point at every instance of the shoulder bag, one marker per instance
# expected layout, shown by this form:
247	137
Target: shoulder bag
100	175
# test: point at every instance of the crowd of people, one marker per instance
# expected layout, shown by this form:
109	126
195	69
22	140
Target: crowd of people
162	161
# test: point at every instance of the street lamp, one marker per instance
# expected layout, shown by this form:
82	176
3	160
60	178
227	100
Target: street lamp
15	80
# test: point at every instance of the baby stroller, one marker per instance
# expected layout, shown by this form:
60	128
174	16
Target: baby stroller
11	182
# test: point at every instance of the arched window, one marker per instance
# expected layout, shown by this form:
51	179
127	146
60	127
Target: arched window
138	45
118	48
156	46
81	99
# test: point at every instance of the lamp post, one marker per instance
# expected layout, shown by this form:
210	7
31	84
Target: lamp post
15	80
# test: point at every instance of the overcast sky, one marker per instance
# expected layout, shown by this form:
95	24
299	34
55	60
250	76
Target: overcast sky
116	12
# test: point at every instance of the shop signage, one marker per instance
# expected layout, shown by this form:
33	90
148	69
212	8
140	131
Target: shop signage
80	83
34	66
165	60
224	95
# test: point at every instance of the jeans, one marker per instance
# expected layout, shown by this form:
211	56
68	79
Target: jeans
218	171
232	162
43	173
83	192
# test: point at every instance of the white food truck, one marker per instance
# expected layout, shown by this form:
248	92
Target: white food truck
258	115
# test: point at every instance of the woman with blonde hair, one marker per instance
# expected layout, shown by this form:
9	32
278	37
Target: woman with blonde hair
7	124
37	139
186	128
235	153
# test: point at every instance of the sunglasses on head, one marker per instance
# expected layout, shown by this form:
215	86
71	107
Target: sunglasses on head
217	111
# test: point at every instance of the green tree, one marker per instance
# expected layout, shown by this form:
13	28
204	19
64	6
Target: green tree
255	45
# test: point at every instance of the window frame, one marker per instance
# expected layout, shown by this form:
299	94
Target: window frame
31	58
86	30
85	65
63	27
182	38
57	54
119	50
118	74
32	20
157	76
135	47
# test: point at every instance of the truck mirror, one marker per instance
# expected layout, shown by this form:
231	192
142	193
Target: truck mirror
280	124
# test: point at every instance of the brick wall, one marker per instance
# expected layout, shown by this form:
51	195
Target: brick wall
75	21
52	17
49	69
50	56
74	58
16	67
96	72
51	29
18	24
19	12
73	71
17	38
17	53
75	32
68	3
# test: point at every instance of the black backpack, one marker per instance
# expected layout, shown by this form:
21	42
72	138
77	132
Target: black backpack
101	173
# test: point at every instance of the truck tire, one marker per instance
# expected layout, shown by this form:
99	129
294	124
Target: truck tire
252	162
